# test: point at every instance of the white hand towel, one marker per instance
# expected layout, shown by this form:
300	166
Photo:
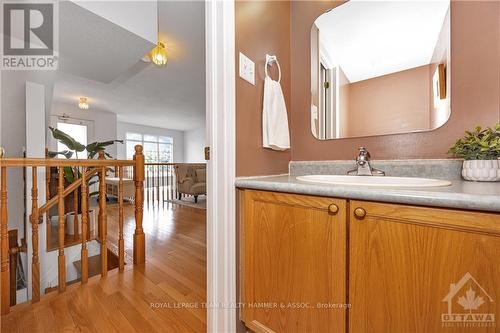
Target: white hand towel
275	134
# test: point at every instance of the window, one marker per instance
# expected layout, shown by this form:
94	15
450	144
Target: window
78	132
156	148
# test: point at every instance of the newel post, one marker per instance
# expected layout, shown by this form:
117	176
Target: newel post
139	238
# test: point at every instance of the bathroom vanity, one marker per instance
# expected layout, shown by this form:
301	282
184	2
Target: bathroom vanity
335	246
335	258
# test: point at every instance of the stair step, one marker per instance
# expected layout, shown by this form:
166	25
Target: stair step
94	263
69	283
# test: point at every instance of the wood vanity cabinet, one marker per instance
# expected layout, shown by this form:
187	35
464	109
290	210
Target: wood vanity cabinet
401	268
406	263
292	259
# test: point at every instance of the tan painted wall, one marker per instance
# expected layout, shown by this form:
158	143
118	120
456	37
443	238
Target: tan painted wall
268	27
475	86
392	103
261	27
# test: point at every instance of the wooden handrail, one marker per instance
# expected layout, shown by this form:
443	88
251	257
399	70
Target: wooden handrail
67	191
57	162
88	168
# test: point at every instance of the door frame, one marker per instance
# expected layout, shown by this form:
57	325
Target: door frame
54	119
221	201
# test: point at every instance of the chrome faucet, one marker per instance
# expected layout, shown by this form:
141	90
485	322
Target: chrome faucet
363	166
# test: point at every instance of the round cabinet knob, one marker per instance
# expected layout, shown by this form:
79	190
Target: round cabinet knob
360	213
333	209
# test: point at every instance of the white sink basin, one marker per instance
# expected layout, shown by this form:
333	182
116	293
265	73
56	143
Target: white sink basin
374	181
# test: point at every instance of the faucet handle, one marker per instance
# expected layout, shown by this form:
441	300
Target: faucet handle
363	152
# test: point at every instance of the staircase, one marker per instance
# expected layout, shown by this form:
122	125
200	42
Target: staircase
87	267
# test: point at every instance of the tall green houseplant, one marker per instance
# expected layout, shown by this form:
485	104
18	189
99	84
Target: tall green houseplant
93	149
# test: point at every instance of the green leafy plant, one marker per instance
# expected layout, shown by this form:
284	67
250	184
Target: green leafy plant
73	145
93	149
478	144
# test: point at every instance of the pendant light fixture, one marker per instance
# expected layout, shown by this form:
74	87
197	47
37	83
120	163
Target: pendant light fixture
83	103
158	55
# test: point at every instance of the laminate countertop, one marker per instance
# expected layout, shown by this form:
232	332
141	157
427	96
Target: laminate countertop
482	196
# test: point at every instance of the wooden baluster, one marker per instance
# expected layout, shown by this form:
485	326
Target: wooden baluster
150	178
174	184
75	208
99	216
171	175
47	197
85	208
35	262
5	271
103	217
158	184
168	182
147	184
60	232
121	243
163	185
139	238
13	251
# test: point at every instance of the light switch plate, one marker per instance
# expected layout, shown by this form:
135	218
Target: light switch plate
247	69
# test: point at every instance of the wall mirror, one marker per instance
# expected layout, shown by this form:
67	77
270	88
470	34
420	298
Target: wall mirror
380	67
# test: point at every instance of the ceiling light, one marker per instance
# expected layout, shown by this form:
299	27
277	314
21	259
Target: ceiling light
83	104
158	55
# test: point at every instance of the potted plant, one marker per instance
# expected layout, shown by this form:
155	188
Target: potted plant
480	149
72	173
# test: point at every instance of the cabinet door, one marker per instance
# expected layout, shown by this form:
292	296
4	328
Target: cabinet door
418	269
293	263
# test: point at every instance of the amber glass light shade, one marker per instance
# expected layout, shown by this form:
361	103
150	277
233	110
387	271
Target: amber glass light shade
158	55
83	103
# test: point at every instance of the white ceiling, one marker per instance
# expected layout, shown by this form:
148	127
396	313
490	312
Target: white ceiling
373	38
170	97
93	47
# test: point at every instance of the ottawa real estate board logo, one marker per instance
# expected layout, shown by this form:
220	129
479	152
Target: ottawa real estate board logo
29	36
469	305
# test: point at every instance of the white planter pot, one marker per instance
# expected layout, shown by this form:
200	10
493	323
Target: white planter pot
481	170
69	227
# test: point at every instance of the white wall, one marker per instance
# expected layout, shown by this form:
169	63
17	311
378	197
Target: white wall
104	123
35	147
13	131
194	144
177	136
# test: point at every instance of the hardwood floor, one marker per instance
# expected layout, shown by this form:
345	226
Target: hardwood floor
166	294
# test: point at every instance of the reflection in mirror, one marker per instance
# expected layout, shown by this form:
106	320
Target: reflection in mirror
380	67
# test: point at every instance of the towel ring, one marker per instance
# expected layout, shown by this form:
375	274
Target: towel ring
269	62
